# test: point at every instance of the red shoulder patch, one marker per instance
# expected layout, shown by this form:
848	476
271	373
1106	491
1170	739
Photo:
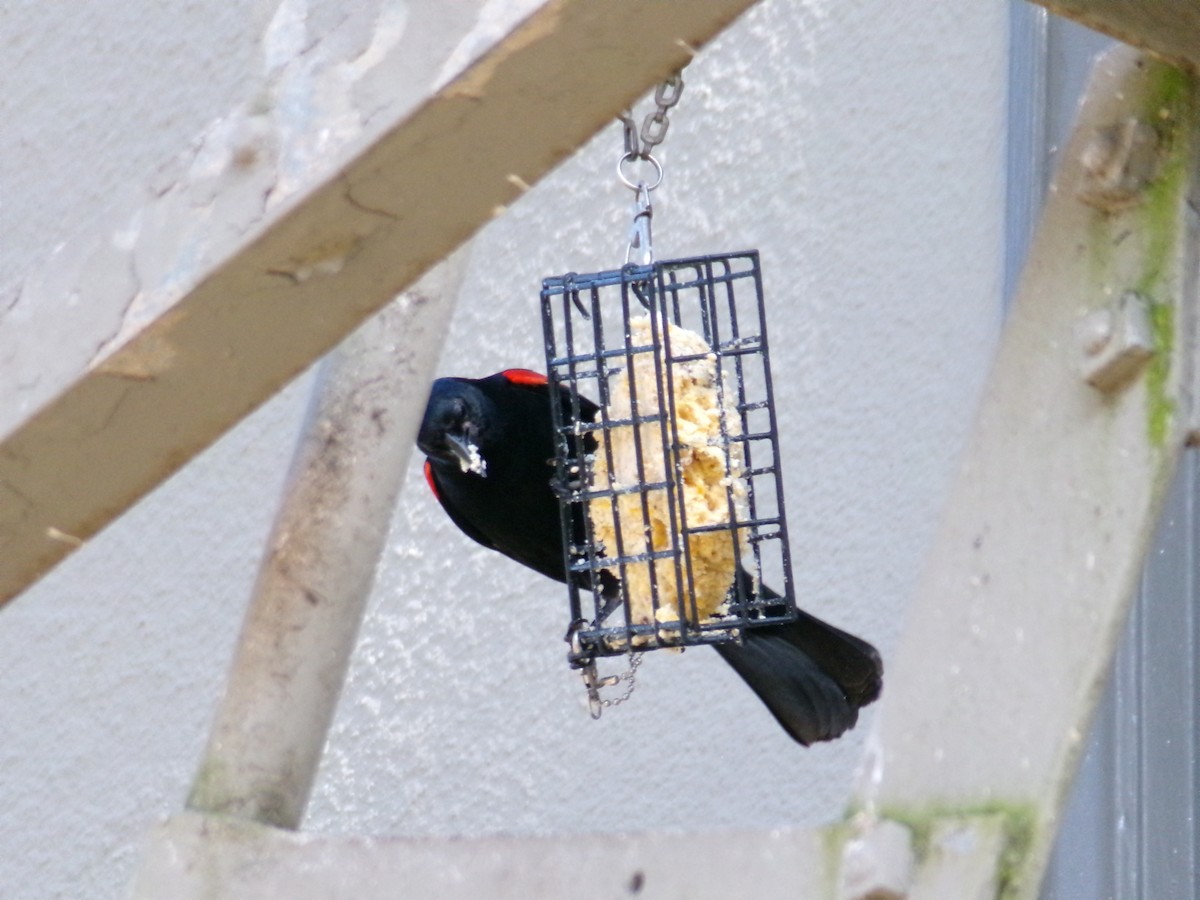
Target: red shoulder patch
524	376
429	480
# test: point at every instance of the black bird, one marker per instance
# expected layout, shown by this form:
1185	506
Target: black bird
487	442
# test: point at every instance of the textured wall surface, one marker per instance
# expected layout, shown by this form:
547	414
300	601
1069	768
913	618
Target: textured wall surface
858	146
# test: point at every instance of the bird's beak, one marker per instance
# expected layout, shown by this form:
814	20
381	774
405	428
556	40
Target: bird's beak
460	447
466	453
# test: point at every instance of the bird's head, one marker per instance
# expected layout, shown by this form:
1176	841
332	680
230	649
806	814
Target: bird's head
455	425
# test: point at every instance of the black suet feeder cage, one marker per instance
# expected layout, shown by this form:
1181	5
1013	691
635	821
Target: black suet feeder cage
599	328
666	460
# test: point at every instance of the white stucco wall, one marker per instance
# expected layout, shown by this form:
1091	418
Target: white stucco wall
859	146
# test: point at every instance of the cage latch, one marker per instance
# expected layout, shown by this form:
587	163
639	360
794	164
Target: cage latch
592	680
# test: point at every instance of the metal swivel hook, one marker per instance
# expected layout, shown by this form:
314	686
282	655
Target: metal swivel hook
641	246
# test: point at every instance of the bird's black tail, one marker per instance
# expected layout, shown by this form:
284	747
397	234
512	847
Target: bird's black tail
812	677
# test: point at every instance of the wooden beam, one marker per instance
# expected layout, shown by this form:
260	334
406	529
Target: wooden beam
1169	28
1044	537
133	350
190	857
319	566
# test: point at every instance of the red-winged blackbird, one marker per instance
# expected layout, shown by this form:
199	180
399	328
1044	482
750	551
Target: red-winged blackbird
488	442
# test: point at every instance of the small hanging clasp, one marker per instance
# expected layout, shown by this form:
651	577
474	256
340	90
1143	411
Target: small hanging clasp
641	245
592	681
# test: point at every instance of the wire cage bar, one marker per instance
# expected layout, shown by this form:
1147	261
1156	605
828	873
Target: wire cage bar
666	458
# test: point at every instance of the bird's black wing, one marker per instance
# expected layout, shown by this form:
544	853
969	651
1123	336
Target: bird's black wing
537	383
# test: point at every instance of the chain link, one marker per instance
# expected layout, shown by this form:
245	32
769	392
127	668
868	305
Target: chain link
629	676
655	124
593	683
638	147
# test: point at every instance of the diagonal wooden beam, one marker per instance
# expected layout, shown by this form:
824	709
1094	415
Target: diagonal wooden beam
130	352
1169	28
1043	540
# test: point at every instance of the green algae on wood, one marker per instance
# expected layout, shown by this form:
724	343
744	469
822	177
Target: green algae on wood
1168	106
1018	822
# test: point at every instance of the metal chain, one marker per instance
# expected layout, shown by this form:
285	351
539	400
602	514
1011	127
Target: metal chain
629	676
640	147
593	683
655	124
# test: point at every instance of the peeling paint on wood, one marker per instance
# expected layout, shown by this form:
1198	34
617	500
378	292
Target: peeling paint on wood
329	177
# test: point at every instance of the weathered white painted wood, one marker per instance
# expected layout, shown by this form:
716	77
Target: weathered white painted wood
1043	539
878	863
962	860
287	224
320	560
192	857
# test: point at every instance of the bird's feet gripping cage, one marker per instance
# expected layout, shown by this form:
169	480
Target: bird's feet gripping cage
666	455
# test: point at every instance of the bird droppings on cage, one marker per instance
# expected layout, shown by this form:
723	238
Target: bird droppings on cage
676	476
